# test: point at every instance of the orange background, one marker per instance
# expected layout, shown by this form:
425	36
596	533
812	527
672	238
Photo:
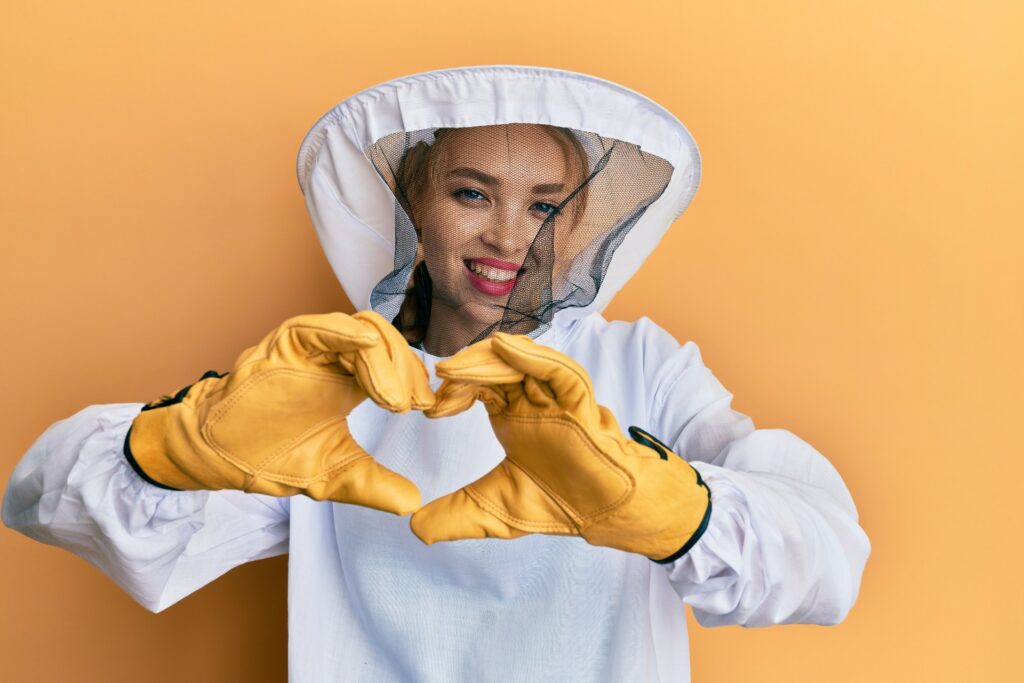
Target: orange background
851	269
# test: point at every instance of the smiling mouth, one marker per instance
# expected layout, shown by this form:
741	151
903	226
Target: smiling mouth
491	276
491	272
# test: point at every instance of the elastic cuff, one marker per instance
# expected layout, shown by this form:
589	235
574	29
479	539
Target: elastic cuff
135	465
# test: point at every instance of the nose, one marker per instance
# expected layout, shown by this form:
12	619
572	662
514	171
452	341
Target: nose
508	233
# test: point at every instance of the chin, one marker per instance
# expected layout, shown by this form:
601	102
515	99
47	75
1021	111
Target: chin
483	313
472	315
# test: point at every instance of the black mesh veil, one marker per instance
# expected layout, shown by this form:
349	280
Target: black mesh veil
499	227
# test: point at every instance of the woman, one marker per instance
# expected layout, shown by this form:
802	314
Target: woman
475	220
515	202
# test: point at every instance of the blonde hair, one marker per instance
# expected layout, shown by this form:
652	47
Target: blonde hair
417	172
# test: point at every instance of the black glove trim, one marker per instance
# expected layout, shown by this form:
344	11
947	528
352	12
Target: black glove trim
180	396
643	437
162	403
135	464
696	535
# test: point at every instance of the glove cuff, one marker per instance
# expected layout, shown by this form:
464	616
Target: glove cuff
645	438
696	534
130	457
151	428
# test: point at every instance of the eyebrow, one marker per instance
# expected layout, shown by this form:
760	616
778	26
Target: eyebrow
491	181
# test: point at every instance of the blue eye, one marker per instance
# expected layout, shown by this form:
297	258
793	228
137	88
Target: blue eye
468	193
545	208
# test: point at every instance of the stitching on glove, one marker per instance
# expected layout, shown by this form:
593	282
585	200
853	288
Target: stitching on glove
373	376
416	405
259	469
569	510
484	379
625	475
288	447
324	475
583	379
515	522
308	326
247	386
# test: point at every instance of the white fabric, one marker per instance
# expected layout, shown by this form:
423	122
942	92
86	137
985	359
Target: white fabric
367	600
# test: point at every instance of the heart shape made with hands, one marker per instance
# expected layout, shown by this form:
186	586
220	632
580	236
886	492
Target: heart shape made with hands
277	424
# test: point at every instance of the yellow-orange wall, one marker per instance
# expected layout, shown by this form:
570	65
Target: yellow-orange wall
851	269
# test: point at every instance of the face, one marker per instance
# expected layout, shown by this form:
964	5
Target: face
490	191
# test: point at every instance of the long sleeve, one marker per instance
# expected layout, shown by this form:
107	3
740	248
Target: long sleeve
783	544
74	489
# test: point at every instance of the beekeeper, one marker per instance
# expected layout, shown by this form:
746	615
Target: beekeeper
572	482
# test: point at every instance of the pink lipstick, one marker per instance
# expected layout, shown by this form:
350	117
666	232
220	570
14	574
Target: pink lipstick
492	277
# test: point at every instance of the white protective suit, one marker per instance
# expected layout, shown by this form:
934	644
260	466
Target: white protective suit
370	602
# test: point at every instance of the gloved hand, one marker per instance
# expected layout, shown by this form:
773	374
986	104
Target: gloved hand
276	424
568	469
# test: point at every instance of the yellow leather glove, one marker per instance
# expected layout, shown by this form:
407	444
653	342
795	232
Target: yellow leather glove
568	469
276	424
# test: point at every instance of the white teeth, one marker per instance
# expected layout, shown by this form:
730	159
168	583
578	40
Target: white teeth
491	273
